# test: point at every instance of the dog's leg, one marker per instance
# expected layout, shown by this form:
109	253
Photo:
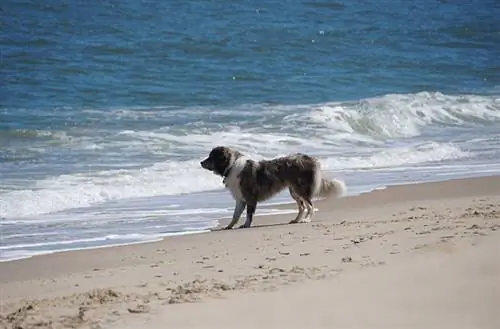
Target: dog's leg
238	210
309	213
250	211
300	214
300	205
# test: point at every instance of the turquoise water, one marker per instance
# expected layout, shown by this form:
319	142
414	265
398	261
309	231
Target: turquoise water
107	108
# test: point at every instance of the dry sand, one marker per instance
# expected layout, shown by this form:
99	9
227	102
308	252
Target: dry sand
413	256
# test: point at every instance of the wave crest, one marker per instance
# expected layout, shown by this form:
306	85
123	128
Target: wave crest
395	116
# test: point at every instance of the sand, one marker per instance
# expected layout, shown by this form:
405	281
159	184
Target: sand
411	256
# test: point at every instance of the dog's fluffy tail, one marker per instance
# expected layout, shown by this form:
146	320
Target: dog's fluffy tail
331	188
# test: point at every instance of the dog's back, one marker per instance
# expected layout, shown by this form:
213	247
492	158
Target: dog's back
261	180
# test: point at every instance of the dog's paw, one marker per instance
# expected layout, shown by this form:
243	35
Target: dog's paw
304	220
228	228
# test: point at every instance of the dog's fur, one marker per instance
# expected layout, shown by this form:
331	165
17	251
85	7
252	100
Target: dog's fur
253	181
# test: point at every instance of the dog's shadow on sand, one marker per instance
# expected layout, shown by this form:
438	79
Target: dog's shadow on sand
252	227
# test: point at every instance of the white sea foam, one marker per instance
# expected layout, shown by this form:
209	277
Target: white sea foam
171	178
427	152
16	252
401	115
84	189
381	132
267	129
132	237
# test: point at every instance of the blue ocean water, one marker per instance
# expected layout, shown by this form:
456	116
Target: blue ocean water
106	108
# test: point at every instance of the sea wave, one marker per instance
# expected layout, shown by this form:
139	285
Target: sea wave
400	115
380	132
178	177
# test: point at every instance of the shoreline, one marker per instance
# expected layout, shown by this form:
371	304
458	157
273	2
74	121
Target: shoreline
280	206
105	246
384	195
132	285
284	205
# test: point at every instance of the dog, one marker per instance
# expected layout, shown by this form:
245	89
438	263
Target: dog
251	181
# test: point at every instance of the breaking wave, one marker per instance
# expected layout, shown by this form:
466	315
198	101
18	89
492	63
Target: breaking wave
380	132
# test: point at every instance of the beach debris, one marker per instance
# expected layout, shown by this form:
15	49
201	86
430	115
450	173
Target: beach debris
81	312
447	237
297	269
346	259
196	289
102	296
222	286
276	269
20	312
140	308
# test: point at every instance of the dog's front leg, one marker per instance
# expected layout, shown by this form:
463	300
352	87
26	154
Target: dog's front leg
238	210
250	211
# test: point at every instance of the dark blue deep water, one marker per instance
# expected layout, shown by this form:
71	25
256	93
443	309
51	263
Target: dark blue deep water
97	54
106	107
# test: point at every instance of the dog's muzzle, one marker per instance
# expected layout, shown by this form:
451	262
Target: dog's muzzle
206	164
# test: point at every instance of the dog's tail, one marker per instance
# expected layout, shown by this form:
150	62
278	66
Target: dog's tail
331	188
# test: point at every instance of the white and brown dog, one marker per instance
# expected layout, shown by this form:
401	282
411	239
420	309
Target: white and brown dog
253	181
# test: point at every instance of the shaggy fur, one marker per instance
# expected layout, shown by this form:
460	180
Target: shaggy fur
251	182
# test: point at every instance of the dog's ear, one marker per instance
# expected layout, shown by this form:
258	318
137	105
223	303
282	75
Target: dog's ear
220	154
217	150
221	158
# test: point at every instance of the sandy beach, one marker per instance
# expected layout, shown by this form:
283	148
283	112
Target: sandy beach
409	256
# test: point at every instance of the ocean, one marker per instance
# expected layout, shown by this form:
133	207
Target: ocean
107	108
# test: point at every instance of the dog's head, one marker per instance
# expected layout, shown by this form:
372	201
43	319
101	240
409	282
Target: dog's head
219	160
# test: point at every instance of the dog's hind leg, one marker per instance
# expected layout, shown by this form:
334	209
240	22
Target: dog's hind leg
300	205
310	211
304	193
238	210
250	211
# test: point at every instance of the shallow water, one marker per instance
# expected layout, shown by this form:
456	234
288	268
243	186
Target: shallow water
107	109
